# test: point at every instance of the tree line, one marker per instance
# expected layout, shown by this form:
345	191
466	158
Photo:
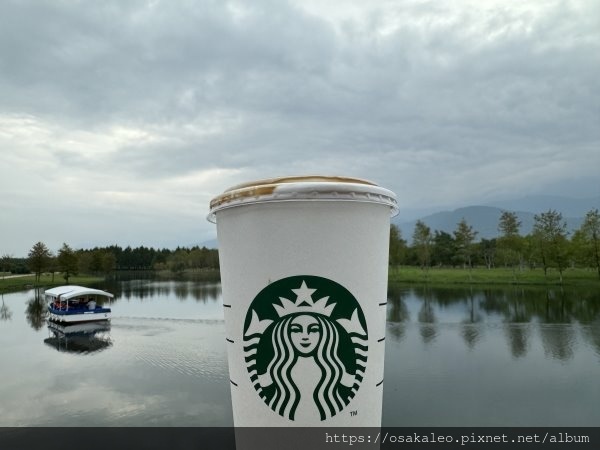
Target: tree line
105	260
549	245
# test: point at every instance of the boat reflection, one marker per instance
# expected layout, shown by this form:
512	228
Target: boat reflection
81	338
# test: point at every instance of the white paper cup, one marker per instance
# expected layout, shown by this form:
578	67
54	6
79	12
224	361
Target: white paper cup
304	264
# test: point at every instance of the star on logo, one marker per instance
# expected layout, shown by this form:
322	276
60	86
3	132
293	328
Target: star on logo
304	303
304	295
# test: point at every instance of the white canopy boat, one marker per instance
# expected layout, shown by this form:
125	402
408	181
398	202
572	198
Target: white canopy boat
71	304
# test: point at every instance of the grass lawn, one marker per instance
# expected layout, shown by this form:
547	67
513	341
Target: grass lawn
28	281
480	275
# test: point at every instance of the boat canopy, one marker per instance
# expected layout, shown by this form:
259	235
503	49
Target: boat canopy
68	292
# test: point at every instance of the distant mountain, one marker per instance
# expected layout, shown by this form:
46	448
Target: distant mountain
569	207
483	219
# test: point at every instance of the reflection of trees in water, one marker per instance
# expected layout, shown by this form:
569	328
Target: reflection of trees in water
518	335
521	308
397	310
470	330
558	341
557	309
5	312
36	311
471	334
182	290
517	311
428	333
442	296
473	314
398	331
426	317
520	304
207	291
591	333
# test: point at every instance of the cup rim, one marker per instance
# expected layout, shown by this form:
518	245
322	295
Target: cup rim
303	188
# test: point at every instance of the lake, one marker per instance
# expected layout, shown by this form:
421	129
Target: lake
454	357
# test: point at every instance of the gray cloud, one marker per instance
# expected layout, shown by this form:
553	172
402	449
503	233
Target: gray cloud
445	103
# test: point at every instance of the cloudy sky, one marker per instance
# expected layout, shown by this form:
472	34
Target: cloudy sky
120	120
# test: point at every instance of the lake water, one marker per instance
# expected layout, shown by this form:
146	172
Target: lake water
454	357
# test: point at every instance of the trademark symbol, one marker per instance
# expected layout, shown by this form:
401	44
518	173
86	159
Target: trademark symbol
353	413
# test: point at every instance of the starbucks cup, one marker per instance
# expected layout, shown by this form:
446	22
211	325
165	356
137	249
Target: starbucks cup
304	280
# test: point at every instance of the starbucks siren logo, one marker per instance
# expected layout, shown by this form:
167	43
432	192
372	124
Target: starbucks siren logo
305	346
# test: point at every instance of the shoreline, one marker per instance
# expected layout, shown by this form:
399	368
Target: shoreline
397	275
497	276
22	283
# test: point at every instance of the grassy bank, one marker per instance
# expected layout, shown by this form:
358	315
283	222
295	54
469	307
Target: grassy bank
500	276
28	282
404	274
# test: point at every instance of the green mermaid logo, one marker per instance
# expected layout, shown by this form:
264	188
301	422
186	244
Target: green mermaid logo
305	346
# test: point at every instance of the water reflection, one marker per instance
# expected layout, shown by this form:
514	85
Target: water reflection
558	341
591	334
454	356
471	333
82	338
427	320
397	310
37	310
516	305
518	336
5	312
554	314
149	289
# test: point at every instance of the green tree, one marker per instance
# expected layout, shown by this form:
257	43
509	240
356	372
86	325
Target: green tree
96	260
590	234
464	236
67	261
6	262
443	250
178	261
109	262
213	260
531	253
196	258
84	261
509	224
397	246
52	266
422	241
510	242
488	248
38	259
550	233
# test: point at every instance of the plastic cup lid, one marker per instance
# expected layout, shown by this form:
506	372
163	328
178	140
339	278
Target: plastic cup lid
303	188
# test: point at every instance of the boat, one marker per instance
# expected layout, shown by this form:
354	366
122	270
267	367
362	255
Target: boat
73	304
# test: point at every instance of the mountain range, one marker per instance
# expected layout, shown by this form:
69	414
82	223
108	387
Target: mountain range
484	219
